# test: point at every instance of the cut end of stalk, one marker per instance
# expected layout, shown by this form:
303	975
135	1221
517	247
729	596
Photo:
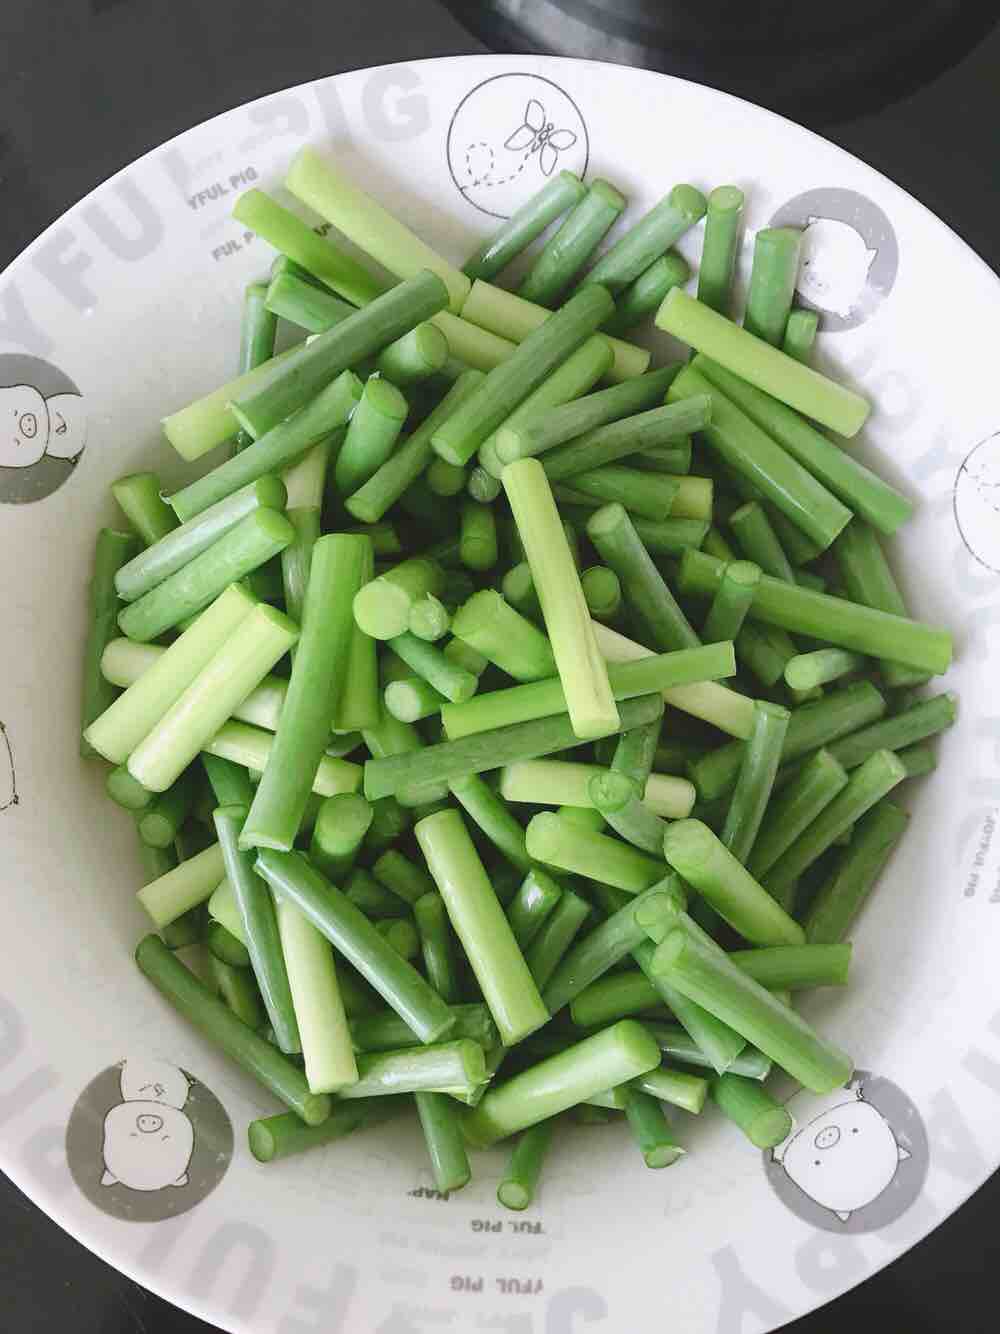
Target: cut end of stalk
663	1155
636	1044
769	1128
689	201
689	841
512	1195
382	609
261	1141
316	1108
725	199
611	791
657	915
385	399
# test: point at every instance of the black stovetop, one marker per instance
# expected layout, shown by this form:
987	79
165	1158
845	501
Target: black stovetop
86	86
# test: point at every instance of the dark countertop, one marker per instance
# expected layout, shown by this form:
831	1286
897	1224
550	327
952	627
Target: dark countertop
87	86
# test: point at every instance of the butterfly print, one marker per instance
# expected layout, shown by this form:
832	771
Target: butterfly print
537	134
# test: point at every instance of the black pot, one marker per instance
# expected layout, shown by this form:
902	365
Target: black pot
816	62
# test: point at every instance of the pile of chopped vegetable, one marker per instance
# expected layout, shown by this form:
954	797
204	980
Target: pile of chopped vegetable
511	730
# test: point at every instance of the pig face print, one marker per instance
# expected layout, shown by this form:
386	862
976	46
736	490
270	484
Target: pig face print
24	426
850	254
147	1146
833	274
43	428
845	1155
147	1141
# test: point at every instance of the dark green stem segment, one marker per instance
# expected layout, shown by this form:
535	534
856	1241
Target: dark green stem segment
520	1179
869	580
252	542
411	458
772	282
491	814
161	821
508	384
273	1137
654	234
842	894
565	254
216	1022
704	973
758	541
830	619
649	1126
139	499
550	427
924	719
532	905
302	302
645	293
860	489
718	248
443	1135
795	808
619	934
793	967
700	858
869	783
273	450
549	946
353	935
750	1106
618	439
761	757
560	193
733	599
437	945
662	623
112	551
338	564
383	1030
238	989
300	376
751	453
490	750
811	726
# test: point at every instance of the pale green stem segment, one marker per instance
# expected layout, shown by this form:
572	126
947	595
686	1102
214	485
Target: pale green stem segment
764	366
481	926
620	1053
581	668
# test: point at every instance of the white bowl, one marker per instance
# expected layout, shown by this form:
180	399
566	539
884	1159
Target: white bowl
132	299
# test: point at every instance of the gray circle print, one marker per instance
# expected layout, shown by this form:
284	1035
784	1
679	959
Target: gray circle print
510	135
146	1141
850	255
43	428
855	1159
976	502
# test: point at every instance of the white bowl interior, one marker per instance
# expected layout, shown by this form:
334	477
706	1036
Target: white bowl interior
135	296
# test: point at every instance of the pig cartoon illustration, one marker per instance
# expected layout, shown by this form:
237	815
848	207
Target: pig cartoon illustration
845	1155
833	273
32	426
148	1139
